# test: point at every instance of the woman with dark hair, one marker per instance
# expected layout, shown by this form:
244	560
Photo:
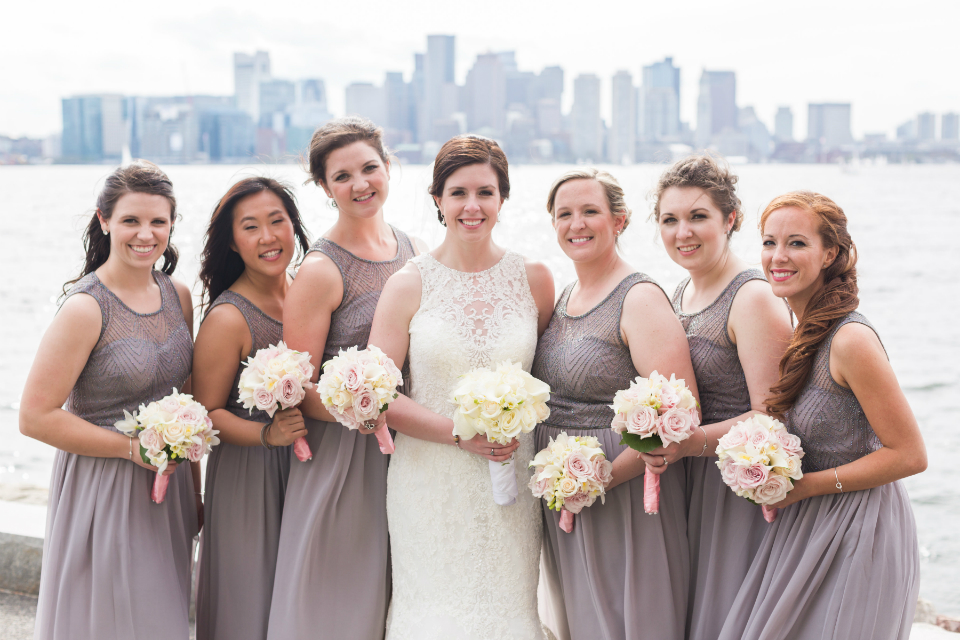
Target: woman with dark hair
621	574
841	560
737	330
463	566
253	237
333	566
115	565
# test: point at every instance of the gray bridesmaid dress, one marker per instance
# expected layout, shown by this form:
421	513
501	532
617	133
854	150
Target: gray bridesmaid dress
843	566
116	565
243	503
622	574
724	530
333	567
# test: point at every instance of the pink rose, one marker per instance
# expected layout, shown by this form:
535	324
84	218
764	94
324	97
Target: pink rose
539	487
728	471
736	437
151	440
353	379
602	471
170	405
264	400
291	393
619	423
759	437
668	397
190	415
675	425
642	421
576	502
207	421
195	452
773	490
790	443
752	476
268	354
577	466
365	406
306	369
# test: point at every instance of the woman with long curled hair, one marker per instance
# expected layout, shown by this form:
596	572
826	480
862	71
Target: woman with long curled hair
115	565
254	235
737	330
841	560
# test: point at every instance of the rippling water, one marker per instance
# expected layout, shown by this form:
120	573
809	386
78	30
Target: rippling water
903	219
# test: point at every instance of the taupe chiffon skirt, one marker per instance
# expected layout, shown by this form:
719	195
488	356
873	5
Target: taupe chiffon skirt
115	565
333	565
725	532
243	503
621	574
834	567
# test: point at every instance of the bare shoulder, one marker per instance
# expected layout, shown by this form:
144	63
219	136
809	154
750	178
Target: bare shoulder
645	297
318	268
81	308
420	247
538	274
856	343
405	281
755	301
224	318
184	293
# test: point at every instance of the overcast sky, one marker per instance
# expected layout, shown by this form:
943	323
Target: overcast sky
890	59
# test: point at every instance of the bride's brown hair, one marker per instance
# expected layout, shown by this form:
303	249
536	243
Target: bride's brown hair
835	299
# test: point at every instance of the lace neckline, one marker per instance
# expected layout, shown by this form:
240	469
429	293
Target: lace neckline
470	273
163	296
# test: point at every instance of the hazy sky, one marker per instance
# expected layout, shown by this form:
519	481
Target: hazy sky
890	59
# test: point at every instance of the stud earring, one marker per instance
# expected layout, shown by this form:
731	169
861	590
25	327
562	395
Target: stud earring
105	232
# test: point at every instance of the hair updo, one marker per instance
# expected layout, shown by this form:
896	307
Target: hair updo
837	298
462	151
710	174
337	134
616	199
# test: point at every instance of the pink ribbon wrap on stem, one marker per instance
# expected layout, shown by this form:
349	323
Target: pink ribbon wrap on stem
769	513
385	440
159	491
651	492
302	449
566	520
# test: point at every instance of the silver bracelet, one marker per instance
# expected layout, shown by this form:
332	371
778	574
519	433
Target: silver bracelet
702	451
130	449
263	437
835	475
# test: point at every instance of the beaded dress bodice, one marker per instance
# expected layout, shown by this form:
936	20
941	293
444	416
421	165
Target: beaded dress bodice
584	360
264	331
139	357
363	281
716	363
828	418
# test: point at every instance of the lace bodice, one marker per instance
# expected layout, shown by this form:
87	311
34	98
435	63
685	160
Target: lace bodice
463	566
716	362
828	418
264	331
139	358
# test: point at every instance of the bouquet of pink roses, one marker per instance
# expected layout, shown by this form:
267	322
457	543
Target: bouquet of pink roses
651	413
758	458
357	386
173	428
275	378
570	474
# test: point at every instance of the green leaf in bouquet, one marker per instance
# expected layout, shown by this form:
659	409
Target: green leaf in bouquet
143	454
643	445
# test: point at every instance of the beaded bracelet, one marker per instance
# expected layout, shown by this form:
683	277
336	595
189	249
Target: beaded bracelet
130	454
837	476
456	441
263	439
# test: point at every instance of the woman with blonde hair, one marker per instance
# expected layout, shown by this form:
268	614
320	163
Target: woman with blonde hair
841	560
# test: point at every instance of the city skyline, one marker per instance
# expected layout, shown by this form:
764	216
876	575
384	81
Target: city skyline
188	50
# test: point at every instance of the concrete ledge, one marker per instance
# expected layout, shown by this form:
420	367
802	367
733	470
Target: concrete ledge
20	558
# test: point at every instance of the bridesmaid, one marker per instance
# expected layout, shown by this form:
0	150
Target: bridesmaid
841	560
253	236
333	566
115	565
737	330
621	574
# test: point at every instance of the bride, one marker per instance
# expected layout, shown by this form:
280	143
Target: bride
463	567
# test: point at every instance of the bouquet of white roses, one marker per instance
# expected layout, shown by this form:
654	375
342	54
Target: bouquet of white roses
357	386
652	413
173	428
570	474
758	459
276	378
499	404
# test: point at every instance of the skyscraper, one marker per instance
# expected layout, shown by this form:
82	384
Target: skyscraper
366	100
716	105
586	124
829	124
623	121
248	72
927	126
659	108
486	94
950	127
276	96
783	125
94	127
438	70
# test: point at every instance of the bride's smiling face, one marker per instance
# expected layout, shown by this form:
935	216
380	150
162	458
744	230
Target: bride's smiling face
471	202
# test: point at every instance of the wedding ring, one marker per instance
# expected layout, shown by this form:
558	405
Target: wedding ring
664	460
491	450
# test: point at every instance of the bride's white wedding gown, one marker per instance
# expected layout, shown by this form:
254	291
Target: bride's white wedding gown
463	566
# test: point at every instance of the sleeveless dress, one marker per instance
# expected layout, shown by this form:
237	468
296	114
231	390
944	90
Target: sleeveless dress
333	567
622	574
463	566
114	563
243	503
724	530
842	566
